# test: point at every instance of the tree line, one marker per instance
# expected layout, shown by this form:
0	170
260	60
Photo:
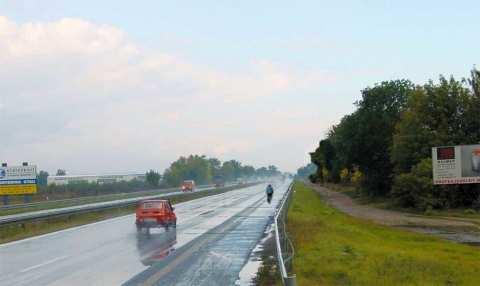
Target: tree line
202	169
206	170
384	146
305	171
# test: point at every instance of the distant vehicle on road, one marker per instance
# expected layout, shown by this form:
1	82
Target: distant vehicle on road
155	213
219	182
188	186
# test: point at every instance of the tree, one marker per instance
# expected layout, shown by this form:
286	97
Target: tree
262	172
437	115
415	189
248	171
42	178
378	112
440	114
152	178
273	171
231	170
305	171
362	140
325	159
61	172
203	170
215	166
193	167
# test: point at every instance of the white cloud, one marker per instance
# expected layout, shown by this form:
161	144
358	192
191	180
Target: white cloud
75	92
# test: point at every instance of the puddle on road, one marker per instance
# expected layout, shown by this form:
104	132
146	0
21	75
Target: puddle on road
250	269
155	245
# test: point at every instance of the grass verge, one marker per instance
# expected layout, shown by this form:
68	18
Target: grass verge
21	230
333	248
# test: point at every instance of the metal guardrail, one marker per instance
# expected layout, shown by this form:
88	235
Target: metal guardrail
87	198
286	253
90	207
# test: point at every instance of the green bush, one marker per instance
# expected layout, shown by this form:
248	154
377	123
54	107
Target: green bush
415	189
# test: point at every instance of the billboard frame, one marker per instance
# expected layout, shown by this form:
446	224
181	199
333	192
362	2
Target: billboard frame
458	164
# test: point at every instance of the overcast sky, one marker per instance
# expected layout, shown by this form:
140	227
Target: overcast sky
104	86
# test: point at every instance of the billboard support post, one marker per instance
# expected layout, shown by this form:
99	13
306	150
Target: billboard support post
5	200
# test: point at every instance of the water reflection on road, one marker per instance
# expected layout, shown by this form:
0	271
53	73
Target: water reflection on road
155	245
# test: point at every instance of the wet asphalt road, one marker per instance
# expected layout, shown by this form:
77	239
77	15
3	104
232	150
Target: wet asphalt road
80	206
209	247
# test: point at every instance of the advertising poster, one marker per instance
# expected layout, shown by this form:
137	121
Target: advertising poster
456	164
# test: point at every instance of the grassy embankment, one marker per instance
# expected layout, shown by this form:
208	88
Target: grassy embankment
333	248
16	231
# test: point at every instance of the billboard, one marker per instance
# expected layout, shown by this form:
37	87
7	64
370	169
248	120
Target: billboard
456	164
18	180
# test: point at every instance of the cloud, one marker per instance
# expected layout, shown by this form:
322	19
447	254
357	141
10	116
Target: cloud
75	92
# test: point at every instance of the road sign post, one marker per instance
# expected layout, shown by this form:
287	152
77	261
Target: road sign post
5	200
26	198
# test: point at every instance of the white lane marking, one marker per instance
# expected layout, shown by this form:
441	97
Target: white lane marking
43	264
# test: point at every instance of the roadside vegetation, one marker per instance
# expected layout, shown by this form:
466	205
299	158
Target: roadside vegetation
384	147
21	230
332	248
194	167
83	189
206	170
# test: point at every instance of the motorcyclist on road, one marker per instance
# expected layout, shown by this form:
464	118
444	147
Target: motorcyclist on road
269	192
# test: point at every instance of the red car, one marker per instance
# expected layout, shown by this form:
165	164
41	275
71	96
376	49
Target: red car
188	186
155	213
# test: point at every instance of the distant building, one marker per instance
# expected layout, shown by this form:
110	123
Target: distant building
100	179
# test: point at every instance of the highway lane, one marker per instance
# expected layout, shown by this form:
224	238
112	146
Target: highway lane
111	252
89	206
86	199
218	256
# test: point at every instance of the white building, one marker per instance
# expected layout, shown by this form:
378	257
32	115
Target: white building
100	179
